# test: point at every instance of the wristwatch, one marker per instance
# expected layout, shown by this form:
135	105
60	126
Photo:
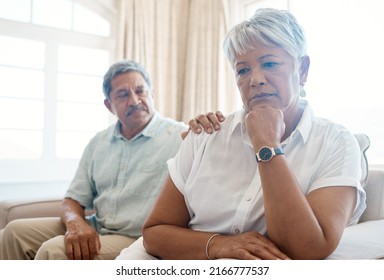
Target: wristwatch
265	153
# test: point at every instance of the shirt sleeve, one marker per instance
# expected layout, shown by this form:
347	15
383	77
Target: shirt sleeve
82	188
341	166
182	167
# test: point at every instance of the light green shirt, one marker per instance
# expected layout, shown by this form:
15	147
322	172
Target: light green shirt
121	178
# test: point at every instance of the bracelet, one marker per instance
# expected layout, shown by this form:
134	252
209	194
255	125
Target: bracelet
207	245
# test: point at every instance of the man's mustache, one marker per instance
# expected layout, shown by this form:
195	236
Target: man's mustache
134	108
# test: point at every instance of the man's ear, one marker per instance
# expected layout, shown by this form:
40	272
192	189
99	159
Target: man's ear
108	104
304	68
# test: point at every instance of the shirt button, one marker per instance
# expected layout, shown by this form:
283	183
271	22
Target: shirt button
237	230
249	198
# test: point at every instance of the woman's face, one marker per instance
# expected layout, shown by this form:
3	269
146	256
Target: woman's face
269	76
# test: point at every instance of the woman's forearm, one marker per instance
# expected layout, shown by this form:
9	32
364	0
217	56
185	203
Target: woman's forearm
295	222
176	243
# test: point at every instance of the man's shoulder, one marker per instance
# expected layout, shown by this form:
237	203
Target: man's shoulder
170	125
107	132
103	135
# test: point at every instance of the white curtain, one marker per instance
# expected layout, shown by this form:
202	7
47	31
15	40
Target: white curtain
180	44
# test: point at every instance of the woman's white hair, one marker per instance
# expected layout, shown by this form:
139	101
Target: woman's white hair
271	27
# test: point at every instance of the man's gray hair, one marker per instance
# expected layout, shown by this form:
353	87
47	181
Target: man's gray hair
123	67
272	27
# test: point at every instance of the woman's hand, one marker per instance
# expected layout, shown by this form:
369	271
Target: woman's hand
246	246
265	126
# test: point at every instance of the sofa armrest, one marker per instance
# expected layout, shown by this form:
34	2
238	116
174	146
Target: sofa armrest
375	196
17	209
361	241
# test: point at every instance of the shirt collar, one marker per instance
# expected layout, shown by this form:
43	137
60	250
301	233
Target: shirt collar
238	121
305	124
303	127
148	131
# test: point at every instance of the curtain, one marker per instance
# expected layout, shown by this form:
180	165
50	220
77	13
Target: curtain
180	44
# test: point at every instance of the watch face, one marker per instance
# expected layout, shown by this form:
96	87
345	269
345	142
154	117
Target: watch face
265	154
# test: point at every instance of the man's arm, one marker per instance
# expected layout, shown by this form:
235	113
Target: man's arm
81	240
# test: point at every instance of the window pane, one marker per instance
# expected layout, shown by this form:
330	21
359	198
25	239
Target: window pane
18	82
19	10
346	65
53	13
80	88
23	114
81	117
83	60
21	52
20	144
94	24
70	145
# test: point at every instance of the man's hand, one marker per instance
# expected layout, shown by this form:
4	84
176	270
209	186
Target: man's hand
81	240
209	122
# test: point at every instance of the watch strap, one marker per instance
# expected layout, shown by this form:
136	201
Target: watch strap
278	151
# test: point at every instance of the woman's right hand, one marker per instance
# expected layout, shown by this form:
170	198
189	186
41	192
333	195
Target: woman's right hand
265	126
246	246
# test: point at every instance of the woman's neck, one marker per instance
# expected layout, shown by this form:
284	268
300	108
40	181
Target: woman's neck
292	118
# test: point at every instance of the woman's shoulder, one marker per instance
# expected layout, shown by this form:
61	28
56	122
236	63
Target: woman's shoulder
325	124
334	134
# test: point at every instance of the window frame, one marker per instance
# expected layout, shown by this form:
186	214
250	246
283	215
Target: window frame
49	168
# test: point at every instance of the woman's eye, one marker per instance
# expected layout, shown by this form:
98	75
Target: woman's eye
269	65
242	71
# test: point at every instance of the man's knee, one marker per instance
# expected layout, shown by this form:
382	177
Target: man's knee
14	231
52	249
12	242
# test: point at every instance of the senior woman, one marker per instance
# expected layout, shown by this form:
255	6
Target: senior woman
275	182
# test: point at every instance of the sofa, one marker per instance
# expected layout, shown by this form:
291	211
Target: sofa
30	200
365	240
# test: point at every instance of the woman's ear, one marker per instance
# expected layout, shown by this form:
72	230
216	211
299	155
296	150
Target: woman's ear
304	68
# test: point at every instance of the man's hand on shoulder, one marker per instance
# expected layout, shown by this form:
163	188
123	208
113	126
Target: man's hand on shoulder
209	122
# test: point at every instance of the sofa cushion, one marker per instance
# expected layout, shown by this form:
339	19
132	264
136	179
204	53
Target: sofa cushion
361	241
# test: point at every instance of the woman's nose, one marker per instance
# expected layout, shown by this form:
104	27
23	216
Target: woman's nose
257	78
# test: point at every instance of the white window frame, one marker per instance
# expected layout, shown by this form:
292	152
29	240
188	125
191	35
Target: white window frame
49	168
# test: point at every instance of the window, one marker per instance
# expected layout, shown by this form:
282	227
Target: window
347	58
53	55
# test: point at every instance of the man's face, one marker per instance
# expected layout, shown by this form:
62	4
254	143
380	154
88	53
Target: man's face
131	100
